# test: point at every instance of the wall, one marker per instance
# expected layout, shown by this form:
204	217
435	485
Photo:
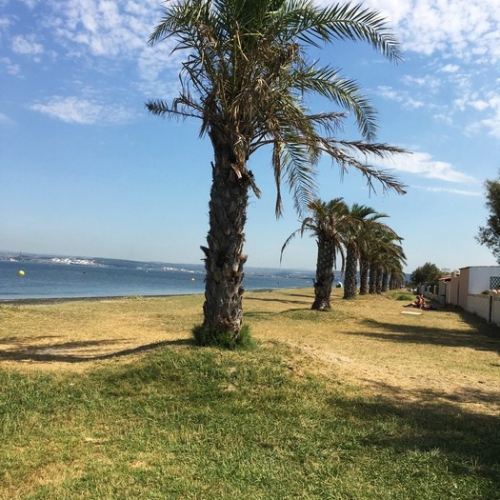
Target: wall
453	291
465	291
485	306
479	277
495	313
480	305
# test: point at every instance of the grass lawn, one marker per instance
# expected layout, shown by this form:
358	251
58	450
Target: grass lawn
109	399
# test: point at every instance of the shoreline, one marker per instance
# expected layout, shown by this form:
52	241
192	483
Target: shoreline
56	300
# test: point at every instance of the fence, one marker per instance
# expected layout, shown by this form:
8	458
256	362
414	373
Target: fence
486	306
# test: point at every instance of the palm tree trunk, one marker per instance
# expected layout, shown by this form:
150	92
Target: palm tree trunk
385	282
363	276
351	266
373	278
378	282
224	259
324	274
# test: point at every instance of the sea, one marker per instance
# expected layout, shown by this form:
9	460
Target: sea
60	278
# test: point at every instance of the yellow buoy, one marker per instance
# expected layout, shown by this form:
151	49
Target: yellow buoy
192	279
21	272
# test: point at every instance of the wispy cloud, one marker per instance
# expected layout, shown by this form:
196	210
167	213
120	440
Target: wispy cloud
112	30
464	39
492	125
105	28
10	67
5	120
26	44
428	82
450	68
424	165
30	3
81	111
405	98
468	30
487	105
462	192
158	69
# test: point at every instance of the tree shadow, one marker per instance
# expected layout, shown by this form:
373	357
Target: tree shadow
463	395
22	340
309	297
57	352
480	338
470	441
280	301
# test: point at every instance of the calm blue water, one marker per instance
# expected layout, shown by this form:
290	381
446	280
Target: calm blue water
43	280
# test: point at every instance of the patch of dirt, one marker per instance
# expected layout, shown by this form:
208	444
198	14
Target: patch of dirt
474	394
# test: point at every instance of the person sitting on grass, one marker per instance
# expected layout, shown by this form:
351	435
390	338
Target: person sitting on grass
419	302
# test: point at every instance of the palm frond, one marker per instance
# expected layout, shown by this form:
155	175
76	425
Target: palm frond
354	22
246	73
346	93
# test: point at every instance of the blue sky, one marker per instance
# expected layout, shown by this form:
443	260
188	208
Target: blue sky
86	171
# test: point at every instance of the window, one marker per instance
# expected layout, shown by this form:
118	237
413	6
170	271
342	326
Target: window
494	282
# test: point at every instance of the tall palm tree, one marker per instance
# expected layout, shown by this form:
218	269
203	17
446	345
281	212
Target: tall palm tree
393	266
382	254
245	76
361	222
325	224
397	275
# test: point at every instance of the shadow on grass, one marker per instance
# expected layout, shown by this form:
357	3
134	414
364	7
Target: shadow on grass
470	441
428	396
280	301
22	340
482	337
57	352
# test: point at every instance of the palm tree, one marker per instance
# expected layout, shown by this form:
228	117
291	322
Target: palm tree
383	253
245	76
397	276
326	224
360	224
393	267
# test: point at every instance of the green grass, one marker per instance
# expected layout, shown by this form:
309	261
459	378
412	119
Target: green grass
189	423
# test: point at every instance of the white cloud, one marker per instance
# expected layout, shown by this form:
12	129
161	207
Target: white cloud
26	44
483	102
428	82
105	28
10	67
5	120
479	104
443	118
423	164
467	30
5	23
399	96
450	68
492	123
30	3
154	65
112	30
451	191
81	111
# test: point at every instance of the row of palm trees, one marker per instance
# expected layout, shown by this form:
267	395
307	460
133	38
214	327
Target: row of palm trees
357	234
248	77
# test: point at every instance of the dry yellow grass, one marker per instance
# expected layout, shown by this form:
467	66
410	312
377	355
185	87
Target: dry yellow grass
435	355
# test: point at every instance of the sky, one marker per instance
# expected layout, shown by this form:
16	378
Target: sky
85	170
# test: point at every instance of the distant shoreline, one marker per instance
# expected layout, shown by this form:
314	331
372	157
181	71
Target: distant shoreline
55	300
